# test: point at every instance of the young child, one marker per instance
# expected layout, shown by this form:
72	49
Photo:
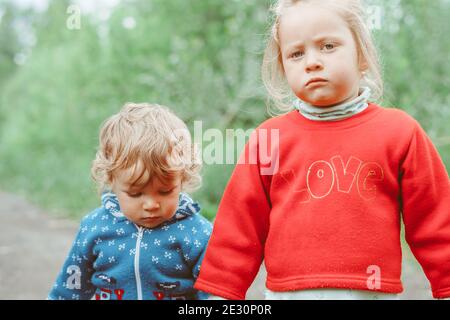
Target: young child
324	213
148	238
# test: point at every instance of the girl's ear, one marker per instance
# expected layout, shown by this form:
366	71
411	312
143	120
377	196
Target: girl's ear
363	65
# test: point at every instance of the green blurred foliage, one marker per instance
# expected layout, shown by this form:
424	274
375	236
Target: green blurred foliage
8	43
199	57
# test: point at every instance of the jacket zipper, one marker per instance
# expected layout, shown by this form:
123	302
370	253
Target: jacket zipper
136	263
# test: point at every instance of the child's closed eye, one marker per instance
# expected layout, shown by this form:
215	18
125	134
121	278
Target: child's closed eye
166	192
134	195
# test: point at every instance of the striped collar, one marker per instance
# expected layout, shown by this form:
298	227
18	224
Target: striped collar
335	113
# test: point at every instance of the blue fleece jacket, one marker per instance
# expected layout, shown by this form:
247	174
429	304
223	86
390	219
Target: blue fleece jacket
113	258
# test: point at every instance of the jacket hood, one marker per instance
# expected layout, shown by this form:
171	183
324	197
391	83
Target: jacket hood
186	206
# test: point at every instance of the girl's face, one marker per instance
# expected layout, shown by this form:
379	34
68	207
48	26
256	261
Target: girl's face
319	55
147	206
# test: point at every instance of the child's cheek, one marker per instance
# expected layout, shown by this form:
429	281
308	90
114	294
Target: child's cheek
128	206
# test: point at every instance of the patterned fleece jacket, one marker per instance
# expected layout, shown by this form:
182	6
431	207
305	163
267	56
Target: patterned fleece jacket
113	259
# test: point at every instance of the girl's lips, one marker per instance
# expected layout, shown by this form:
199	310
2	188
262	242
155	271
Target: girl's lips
316	82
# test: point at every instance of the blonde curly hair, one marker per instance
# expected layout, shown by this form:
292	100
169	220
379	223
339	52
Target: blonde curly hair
352	11
150	140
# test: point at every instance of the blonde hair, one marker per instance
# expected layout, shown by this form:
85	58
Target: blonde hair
151	141
280	95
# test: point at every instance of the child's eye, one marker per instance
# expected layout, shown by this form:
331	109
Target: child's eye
163	192
328	46
134	195
297	54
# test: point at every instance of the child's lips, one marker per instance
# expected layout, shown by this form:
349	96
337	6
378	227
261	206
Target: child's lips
150	219
316	81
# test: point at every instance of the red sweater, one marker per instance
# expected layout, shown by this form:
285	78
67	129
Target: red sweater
328	212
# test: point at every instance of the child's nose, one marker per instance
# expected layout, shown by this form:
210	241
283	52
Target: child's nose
313	62
150	204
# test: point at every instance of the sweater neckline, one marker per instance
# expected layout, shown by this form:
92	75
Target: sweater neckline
368	113
338	112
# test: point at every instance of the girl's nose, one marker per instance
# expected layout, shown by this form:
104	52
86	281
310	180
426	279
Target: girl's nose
313	62
150	204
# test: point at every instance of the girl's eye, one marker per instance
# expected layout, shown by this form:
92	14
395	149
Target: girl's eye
328	46
297	54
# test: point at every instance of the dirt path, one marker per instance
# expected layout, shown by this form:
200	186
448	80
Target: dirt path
32	249
33	246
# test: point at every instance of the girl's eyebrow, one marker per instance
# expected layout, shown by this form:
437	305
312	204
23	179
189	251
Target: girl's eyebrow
319	38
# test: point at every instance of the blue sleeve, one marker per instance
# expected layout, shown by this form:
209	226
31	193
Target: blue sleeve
201	295
73	281
198	248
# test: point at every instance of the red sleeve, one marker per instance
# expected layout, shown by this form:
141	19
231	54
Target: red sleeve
236	247
426	210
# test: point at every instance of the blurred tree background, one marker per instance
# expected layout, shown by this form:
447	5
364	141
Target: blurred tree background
199	57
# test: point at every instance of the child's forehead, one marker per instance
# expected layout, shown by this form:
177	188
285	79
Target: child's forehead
135	179
311	21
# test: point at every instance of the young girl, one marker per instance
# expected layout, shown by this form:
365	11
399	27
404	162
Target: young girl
326	215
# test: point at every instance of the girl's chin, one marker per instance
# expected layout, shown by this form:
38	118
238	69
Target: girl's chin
322	102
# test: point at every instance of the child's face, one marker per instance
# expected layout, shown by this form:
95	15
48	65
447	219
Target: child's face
147	206
317	44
